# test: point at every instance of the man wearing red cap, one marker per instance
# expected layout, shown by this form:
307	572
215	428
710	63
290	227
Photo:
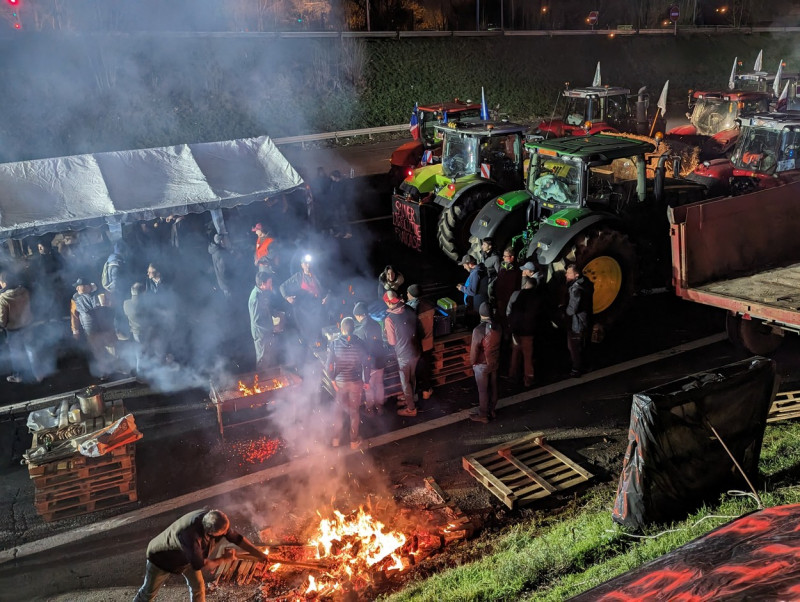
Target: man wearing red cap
262	245
401	334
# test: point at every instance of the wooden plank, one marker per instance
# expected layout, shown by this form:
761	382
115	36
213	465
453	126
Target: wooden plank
785	406
491	451
527	471
585	473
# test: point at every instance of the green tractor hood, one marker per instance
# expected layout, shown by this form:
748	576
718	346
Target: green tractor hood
510	201
425	179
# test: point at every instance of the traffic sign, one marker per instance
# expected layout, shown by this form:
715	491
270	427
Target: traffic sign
593	16
674	13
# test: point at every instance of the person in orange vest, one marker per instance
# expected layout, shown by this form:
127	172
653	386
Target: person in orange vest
263	242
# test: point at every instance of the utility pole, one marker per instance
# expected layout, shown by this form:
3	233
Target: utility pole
477	15
368	27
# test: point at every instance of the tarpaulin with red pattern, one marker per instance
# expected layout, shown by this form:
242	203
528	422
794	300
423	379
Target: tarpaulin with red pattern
756	557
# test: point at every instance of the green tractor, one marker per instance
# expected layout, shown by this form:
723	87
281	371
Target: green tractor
589	201
436	204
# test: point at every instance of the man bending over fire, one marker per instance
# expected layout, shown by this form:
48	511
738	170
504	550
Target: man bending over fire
183	548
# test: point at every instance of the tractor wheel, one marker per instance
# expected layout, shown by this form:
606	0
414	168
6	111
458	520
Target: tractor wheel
752	335
608	258
455	221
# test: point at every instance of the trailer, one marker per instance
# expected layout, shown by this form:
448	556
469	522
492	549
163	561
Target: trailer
742	254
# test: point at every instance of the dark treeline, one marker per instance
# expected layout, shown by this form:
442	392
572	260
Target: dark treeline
67	94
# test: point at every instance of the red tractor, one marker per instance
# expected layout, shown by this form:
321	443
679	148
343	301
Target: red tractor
712	115
409	155
596	109
766	155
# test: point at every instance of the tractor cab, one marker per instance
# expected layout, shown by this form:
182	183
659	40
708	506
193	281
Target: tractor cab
761	81
490	150
714	112
427	149
767	152
599	108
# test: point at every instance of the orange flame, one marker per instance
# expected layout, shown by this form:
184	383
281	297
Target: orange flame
258	387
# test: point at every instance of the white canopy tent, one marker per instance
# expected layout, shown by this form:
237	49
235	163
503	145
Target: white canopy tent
71	193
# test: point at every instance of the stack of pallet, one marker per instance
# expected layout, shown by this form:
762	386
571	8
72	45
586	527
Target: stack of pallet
79	484
451	358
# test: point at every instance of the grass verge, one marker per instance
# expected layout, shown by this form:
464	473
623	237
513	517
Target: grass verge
580	547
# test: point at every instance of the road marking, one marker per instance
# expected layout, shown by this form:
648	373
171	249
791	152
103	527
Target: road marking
54	541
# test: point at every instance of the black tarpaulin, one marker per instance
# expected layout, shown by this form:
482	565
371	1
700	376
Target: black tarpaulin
674	461
755	557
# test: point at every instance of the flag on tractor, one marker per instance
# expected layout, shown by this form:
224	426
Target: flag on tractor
732	79
484	107
759	60
783	99
427	157
413	125
444	117
776	85
662	100
596	81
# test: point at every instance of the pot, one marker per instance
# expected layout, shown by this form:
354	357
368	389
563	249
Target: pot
91	401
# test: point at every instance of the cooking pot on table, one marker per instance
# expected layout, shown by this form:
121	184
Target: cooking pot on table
91	401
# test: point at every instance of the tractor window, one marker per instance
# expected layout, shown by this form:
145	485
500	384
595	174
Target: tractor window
580	110
556	181
790	143
758	150
713	115
459	155
617	108
751	107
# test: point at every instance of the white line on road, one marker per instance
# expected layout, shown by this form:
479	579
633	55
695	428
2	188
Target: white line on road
54	541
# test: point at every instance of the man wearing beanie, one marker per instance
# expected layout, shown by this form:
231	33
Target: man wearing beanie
401	333
484	353
369	331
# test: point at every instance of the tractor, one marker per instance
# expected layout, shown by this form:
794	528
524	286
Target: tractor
598	109
410	154
436	204
589	200
765	156
763	81
712	120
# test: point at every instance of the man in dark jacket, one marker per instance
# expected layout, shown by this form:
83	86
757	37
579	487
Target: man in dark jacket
262	327
509	280
484	355
476	287
526	315
306	295
401	334
490	258
369	331
183	548
348	369
579	317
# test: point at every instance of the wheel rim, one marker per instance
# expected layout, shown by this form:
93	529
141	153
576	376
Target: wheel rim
606	275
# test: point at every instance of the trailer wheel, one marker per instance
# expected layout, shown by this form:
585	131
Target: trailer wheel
608	258
752	335
455	222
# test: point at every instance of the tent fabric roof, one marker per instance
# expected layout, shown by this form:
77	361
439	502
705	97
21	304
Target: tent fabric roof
71	193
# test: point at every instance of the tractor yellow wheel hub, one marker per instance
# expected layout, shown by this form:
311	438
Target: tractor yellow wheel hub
606	275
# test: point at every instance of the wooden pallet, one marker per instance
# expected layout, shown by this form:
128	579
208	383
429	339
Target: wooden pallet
452	375
454	361
78	461
785	407
523	470
67	508
456	341
79	486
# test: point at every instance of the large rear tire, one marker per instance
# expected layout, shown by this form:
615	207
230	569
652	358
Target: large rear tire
455	222
752	335
608	258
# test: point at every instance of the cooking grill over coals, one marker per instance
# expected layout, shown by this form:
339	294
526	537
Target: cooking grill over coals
250	391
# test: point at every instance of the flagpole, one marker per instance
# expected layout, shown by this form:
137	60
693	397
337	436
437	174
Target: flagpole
655	118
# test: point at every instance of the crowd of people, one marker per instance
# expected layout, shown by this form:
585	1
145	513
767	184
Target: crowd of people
507	306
